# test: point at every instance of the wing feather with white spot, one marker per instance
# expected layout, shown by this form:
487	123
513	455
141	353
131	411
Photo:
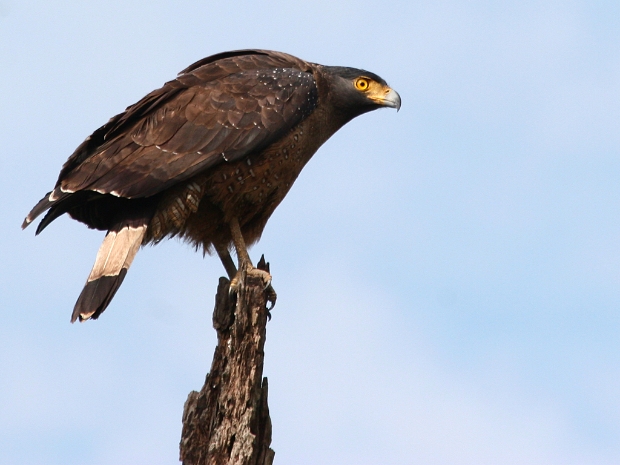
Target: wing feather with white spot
199	127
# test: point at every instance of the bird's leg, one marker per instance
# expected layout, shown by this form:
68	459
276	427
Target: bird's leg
227	261
242	251
245	264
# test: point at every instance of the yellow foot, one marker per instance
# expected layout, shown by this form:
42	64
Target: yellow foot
237	283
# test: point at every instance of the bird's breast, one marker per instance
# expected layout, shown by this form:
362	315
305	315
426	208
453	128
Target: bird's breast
258	183
249	189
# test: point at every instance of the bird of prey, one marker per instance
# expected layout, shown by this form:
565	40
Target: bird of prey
207	157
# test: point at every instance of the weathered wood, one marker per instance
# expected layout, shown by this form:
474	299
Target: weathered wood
227	422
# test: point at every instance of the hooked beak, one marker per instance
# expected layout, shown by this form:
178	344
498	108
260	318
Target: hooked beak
390	98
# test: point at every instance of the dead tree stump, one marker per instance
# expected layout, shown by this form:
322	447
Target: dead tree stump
227	422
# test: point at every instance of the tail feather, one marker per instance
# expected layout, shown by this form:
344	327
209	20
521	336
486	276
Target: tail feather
43	204
50	201
113	260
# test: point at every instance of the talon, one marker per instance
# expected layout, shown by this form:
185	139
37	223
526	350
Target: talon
235	284
265	276
271	299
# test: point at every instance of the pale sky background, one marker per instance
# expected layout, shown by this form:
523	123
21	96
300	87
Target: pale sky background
448	276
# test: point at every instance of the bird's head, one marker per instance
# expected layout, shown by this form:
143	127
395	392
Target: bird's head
356	91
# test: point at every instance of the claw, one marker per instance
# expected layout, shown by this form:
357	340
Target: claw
263	275
271	293
237	283
245	266
271	299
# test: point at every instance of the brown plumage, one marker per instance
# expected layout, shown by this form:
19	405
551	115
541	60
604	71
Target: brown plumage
207	157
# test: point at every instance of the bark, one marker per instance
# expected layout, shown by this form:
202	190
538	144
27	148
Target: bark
228	422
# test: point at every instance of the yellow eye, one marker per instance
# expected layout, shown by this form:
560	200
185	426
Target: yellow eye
362	84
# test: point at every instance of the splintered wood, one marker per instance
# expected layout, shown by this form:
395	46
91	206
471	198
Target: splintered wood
227	422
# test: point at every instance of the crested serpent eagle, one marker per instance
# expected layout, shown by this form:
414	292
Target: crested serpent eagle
207	157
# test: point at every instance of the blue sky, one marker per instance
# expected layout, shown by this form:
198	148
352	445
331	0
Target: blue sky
448	276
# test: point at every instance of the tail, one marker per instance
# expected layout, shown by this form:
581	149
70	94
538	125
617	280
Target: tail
49	201
113	260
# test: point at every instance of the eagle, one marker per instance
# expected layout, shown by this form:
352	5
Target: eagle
207	158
